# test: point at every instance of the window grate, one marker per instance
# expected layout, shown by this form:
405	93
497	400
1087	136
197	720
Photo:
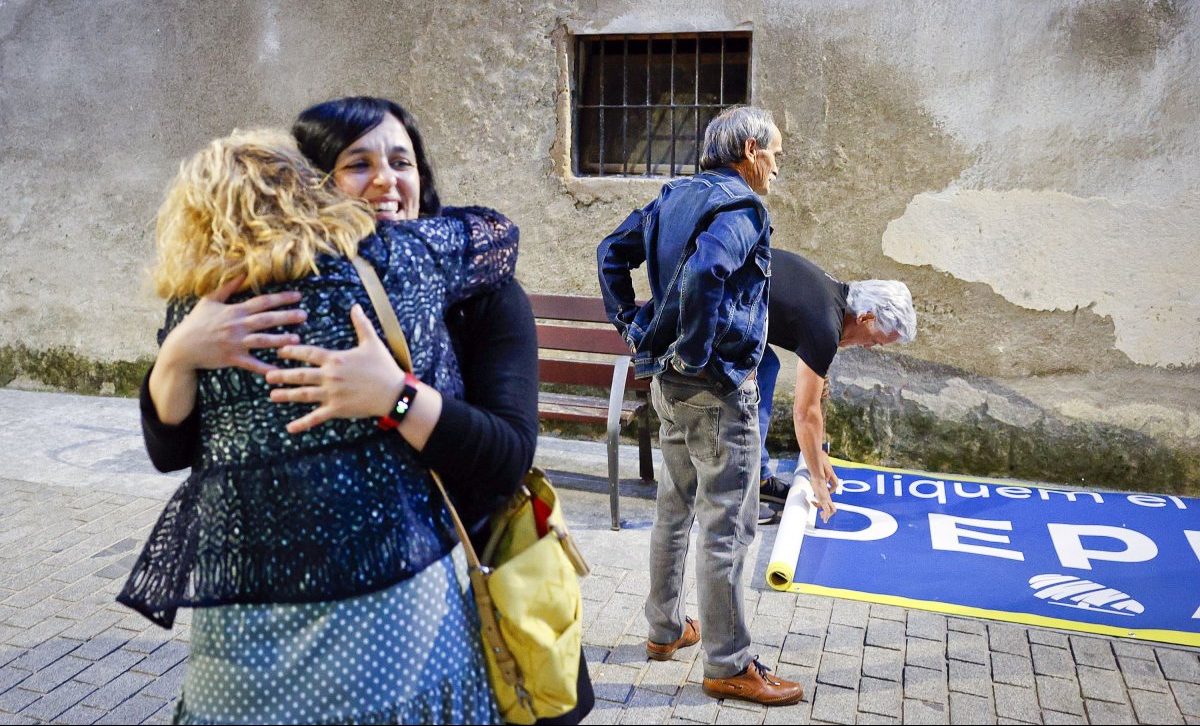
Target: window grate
641	102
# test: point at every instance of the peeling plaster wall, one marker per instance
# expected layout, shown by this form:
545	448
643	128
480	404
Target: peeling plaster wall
1030	168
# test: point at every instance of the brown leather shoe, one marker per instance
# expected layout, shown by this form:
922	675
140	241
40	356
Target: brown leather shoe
755	685
664	651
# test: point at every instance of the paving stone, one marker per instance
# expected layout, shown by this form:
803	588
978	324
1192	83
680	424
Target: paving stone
839	670
924	684
815	602
40	633
1055	717
790	715
970	647
45	653
29	616
1187	695
775	604
922	624
1103	712
60	699
925	653
1152	707
769	630
1101	684
803	650
170	684
1012	669
732	712
1007	638
614	682
645	706
91	625
968	708
49	678
1059	694
103	644
1179	665
667	677
135	710
15	699
10	676
1133	650
1094	652
1048	637
835	705
695	705
889	612
844	639
920	712
850	612
164	715
882	663
109	667
1016	702
972	678
967	625
885	633
79	714
1143	674
881	697
1051	661
113	693
809	622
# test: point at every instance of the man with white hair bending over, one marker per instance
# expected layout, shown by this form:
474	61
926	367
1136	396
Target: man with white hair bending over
813	314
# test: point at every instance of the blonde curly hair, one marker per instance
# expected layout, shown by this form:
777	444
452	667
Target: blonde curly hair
251	204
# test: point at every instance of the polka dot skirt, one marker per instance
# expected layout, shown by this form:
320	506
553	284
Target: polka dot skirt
407	654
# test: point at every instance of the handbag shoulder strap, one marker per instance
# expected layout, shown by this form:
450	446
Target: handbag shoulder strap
383	310
488	622
399	345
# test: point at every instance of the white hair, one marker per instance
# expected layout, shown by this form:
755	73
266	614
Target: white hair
725	136
890	301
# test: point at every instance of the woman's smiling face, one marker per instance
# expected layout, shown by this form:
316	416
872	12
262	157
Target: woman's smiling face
381	167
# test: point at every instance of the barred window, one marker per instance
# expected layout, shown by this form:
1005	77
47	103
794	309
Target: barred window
642	102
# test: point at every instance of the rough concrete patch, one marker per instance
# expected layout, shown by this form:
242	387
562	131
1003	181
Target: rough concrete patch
1113	33
914	420
1052	251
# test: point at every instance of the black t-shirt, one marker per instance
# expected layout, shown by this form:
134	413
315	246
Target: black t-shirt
807	309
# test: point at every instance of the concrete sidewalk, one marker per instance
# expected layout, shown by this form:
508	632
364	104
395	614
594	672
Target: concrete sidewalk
78	496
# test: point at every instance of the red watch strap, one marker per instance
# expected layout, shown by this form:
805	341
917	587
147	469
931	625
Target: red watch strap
402	405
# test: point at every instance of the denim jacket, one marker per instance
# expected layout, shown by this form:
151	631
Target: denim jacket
706	244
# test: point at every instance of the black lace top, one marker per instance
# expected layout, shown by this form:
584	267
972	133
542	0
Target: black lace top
345	508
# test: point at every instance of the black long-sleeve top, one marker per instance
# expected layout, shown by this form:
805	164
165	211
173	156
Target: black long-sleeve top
481	446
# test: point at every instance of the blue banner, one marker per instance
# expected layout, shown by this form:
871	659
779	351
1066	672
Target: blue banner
1113	563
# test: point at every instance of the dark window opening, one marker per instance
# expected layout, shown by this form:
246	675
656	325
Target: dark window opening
642	102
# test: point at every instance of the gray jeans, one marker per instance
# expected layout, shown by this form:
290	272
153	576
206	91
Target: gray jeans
710	453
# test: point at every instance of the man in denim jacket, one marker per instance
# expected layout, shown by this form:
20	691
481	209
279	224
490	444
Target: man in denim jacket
706	244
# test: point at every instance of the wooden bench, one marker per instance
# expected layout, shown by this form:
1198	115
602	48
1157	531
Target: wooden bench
558	329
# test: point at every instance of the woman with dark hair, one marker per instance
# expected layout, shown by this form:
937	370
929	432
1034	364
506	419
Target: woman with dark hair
327	583
481	445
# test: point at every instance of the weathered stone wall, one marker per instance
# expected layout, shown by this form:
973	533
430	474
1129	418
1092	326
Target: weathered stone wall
1031	169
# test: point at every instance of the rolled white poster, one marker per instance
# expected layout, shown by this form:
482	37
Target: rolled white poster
799	514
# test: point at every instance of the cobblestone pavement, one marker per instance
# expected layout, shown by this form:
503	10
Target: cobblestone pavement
76	501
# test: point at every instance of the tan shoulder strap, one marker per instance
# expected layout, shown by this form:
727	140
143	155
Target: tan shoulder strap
489	624
383	309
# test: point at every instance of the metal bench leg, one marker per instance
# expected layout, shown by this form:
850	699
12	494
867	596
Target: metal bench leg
615	396
614	478
645	459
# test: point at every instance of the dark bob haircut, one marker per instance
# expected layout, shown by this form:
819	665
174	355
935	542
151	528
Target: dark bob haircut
325	130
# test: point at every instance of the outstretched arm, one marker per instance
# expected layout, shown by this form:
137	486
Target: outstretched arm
809	420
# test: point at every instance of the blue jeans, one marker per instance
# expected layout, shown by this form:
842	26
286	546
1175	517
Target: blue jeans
709	444
768	371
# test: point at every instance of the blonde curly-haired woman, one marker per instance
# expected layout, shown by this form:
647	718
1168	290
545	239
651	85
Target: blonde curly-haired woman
325	577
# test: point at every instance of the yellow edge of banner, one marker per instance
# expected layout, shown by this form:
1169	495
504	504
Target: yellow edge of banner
981	479
1177	637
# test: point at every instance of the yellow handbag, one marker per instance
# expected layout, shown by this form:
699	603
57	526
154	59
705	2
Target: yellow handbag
527	585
